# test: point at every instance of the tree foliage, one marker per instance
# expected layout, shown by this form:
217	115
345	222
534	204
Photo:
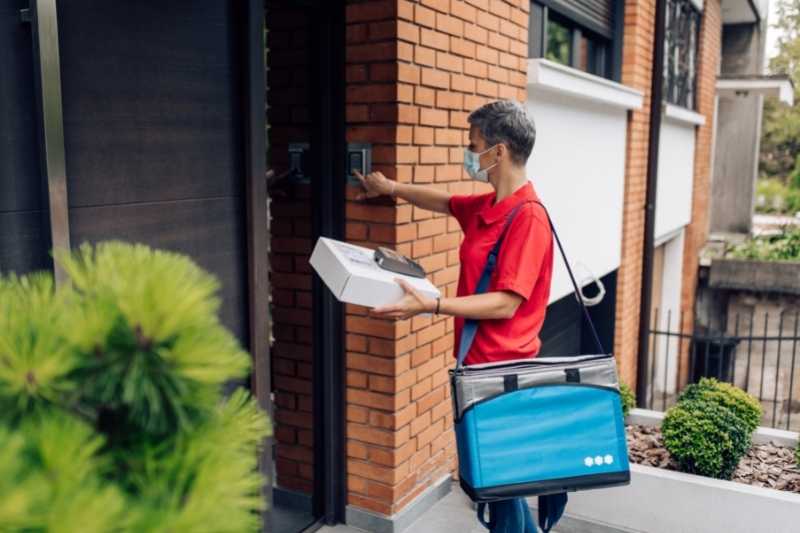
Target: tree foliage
780	140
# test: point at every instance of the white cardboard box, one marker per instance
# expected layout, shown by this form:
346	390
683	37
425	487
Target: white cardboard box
350	272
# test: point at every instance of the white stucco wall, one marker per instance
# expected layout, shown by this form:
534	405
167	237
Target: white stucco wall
675	175
665	354
578	169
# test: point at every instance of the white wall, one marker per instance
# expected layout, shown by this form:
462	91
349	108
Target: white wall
675	176
578	169
666	349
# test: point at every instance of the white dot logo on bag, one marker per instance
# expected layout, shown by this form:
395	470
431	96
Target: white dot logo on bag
599	460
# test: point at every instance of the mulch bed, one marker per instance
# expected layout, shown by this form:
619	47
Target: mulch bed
765	465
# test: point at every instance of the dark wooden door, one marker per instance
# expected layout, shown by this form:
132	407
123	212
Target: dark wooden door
153	130
24	233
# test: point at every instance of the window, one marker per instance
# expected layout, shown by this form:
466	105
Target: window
577	33
680	53
559	43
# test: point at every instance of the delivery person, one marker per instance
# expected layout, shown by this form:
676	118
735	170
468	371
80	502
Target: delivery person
511	312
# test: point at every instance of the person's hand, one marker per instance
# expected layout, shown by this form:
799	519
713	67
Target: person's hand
411	304
374	184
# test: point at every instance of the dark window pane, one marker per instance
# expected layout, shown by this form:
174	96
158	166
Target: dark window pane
559	42
680	53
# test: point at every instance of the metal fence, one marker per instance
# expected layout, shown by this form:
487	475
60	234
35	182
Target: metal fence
756	351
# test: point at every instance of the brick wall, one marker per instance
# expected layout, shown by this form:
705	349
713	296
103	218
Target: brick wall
637	58
414	71
637	73
697	231
290	247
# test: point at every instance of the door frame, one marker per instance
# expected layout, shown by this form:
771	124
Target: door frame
328	147
328	162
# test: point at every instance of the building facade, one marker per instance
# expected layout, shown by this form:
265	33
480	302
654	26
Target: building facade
361	407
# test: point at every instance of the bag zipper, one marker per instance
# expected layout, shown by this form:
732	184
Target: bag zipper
502	368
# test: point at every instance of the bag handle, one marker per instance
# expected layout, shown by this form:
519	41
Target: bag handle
471	325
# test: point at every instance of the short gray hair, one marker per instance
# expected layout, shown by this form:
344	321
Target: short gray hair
506	122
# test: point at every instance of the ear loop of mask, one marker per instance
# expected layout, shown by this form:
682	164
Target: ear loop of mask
490	166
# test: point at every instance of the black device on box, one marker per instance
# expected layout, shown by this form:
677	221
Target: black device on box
390	260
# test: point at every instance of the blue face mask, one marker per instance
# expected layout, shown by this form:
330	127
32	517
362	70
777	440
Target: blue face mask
472	164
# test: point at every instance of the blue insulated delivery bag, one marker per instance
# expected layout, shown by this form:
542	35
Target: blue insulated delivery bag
538	426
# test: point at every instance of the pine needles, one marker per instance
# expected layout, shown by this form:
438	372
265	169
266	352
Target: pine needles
111	411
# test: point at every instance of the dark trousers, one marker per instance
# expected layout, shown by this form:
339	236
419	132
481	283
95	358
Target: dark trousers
508	516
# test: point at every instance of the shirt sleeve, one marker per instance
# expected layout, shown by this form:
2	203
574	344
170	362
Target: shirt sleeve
463	207
525	247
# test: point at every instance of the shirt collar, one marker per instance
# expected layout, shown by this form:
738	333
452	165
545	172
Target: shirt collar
495	212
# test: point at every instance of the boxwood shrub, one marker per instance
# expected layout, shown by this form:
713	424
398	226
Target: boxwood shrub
705	437
628	399
746	407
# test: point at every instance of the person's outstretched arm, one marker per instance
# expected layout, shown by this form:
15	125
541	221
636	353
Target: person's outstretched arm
489	305
432	199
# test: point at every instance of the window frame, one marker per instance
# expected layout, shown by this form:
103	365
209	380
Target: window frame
605	48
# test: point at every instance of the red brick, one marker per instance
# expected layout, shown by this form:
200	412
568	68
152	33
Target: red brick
449	62
438	5
434	39
449	25
475	33
407	31
487	88
405	51
462	47
380	10
486	54
424	16
363	53
475	68
450	172
432	227
356	413
432	154
433	117
425	56
383	30
408	73
371	93
355	483
462	10
464	84
448	137
374	327
424	96
423	135
357	113
356	379
430	433
356	33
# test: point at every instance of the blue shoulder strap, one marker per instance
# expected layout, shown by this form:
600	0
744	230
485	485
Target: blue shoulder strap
471	326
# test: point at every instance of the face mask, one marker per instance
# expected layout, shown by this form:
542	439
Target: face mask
472	164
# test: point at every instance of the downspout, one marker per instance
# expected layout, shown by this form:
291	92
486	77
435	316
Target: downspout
656	106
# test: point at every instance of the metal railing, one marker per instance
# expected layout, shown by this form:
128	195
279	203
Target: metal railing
755	351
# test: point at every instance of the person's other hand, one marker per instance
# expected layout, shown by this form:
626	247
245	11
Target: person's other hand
412	303
374	184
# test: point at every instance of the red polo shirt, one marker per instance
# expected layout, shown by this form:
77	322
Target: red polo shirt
524	267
